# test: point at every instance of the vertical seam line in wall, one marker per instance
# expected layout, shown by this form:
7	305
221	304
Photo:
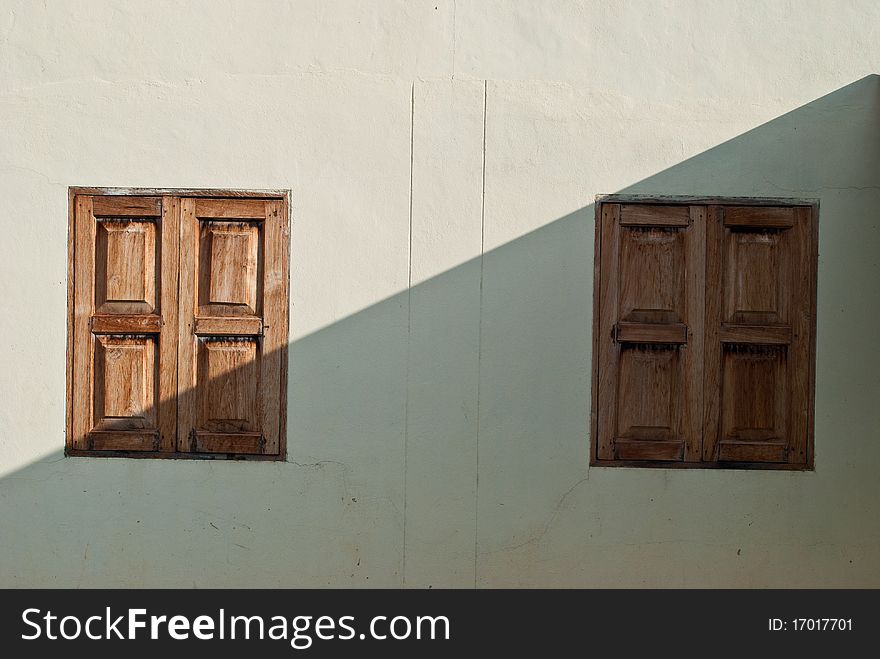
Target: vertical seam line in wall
453	40
480	336
412	123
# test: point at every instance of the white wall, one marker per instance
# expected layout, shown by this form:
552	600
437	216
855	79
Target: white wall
443	159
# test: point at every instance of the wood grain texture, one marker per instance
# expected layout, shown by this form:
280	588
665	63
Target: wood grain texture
802	348
123	206
236	209
275	309
756	334
108	440
84	274
813	277
118	371
228	326
653	449
596	350
633	215
233	329
757	269
780	217
693	352
752	451
755	393
232	277
764	341
651	332
124	383
241	442
711	341
169	255
186	342
229	268
126	324
652	274
125	268
71	302
227	385
608	353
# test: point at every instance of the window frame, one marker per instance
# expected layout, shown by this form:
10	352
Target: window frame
789	202
282	195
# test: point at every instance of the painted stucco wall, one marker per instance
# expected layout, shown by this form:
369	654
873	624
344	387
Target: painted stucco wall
443	158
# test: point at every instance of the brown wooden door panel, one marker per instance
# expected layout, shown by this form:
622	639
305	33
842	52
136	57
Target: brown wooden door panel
125	394
125	324
125	266
650	332
759	335
232	325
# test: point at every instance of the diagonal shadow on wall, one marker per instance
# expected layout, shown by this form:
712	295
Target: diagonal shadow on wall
440	436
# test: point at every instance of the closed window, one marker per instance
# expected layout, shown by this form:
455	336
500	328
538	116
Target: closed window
704	334
178	316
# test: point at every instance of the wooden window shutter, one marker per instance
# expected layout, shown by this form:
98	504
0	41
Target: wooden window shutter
233	325
124	347
759	334
650	348
178	324
704	334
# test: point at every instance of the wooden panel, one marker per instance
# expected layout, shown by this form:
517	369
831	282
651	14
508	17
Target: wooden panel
752	452
757	270
125	266
761	339
649	396
712	341
754	393
651	309
228	326
168	404
633	215
652	332
125	372
71	318
660	449
608	349
124	356
186	342
759	217
275	320
227	381
132	440
126	324
237	209
233	325
229	268
693	352
208	442
802	351
124	206
759	334
83	302
652	275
